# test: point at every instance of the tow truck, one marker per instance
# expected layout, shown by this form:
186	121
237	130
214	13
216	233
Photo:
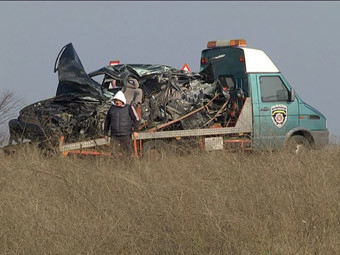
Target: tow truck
264	111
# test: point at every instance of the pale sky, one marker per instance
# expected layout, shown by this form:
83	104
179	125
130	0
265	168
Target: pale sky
302	39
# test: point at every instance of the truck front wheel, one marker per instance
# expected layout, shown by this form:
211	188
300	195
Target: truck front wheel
298	144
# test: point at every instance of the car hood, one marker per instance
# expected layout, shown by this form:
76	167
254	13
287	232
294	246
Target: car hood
73	80
314	110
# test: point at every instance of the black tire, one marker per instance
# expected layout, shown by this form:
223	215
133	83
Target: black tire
298	144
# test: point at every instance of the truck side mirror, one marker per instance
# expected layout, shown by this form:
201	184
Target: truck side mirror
292	95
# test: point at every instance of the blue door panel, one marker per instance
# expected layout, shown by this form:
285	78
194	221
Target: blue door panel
275	114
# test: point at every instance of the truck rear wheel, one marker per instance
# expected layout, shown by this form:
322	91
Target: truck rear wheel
298	144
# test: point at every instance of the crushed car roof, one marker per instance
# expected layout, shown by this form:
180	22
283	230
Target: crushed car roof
141	71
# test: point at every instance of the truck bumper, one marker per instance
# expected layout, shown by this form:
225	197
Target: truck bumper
321	138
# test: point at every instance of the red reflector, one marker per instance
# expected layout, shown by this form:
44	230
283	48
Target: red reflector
302	117
203	61
114	62
186	67
242	60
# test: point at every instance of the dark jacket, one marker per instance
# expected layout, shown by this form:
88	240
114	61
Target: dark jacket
121	120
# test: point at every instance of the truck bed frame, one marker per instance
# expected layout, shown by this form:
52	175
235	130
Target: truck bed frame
213	138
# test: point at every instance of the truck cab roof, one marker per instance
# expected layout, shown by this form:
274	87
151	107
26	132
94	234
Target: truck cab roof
255	60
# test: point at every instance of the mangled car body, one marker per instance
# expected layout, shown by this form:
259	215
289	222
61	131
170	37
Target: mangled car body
78	110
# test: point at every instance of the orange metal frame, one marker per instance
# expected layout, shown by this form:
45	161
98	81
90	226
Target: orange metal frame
239	141
81	152
86	153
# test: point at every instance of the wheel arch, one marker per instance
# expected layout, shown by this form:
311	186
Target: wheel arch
303	132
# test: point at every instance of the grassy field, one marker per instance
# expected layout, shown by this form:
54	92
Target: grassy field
199	203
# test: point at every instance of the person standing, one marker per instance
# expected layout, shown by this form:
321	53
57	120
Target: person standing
122	120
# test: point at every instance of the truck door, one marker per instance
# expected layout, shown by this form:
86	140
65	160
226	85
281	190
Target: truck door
277	112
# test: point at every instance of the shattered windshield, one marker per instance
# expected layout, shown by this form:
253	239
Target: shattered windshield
151	77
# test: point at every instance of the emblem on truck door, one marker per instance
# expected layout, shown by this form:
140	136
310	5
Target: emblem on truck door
279	115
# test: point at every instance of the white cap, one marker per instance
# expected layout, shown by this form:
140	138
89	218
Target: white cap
120	96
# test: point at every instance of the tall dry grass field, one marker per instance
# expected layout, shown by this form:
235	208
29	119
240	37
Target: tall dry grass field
200	203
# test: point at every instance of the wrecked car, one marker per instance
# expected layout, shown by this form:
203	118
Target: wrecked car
165	98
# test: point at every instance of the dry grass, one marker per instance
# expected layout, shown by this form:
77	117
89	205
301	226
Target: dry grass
203	203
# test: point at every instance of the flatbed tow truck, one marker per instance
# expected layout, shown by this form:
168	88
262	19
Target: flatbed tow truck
268	115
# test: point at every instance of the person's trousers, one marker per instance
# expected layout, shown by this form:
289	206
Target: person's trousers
122	143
